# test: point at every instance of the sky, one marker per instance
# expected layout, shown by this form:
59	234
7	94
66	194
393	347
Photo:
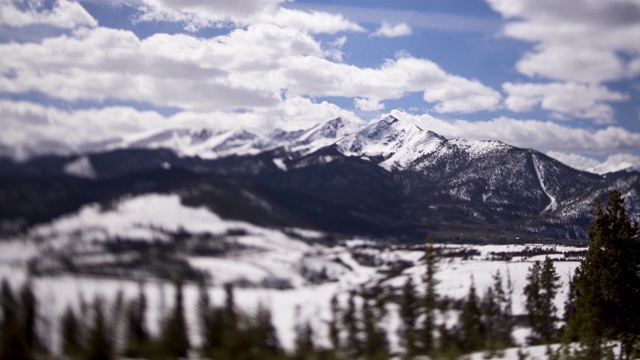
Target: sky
562	77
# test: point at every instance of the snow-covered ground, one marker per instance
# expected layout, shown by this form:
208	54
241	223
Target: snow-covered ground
303	302
262	255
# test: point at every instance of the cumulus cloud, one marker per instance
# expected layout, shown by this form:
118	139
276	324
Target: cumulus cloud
584	43
368	104
541	135
391	31
612	163
395	78
249	67
580	41
574	99
197	14
62	14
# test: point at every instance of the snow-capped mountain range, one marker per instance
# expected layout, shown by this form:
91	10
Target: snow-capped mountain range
398	144
388	178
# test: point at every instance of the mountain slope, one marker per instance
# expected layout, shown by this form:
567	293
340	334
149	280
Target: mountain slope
387	179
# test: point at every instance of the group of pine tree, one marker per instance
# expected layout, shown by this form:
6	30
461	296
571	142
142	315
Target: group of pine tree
602	312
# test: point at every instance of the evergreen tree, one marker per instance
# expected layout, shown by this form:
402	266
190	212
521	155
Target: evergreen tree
351	323
205	317
174	335
549	285
334	323
540	291
266	337
13	339
70	328
471	328
29	315
497	315
304	344
137	335
607	285
430	296
409	312
99	345
375	344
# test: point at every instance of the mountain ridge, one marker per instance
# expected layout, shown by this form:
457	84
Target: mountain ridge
384	179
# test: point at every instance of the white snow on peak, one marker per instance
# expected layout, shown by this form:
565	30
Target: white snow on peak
479	147
321	135
398	142
394	143
81	167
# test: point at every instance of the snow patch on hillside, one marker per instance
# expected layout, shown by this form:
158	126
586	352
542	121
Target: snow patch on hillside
81	167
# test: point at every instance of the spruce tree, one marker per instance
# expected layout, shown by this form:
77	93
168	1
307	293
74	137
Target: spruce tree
99	345
540	291
175	338
607	283
137	334
375	344
549	285
29	314
205	317
304	343
430	300
471	327
335	327
70	334
409	313
13	339
353	345
266	336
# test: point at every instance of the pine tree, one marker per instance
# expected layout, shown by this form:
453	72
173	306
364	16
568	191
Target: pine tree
334	323
175	338
205	316
540	291
137	335
375	341
13	339
409	312
99	345
607	283
549	285
472	332
29	314
70	328
430	296
266	337
304	343
353	345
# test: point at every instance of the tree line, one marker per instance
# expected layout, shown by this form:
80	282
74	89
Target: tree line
600	311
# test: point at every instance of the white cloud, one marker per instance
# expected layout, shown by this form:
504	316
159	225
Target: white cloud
574	99
313	21
368	104
391	31
198	14
612	163
30	128
541	135
584	43
249	67
395	78
63	14
166	70
580	41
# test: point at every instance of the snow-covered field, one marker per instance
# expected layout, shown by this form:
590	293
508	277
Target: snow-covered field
264	255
